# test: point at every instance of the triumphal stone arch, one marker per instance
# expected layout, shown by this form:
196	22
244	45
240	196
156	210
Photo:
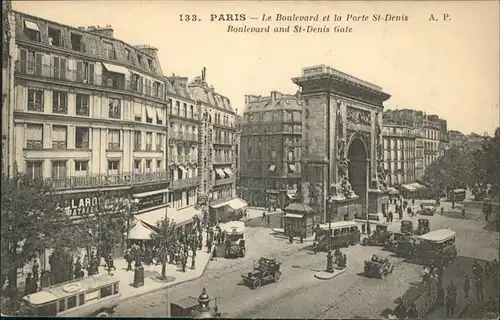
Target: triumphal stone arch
343	175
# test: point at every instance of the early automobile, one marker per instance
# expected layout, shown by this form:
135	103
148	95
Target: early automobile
427	208
407	227
392	243
407	248
436	247
379	236
235	238
423	227
264	271
378	267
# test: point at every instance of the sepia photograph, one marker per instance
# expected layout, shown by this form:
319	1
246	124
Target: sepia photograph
250	159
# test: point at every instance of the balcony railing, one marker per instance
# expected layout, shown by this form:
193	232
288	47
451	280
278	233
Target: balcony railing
184	136
220	182
184	183
223	141
221	160
35	106
113	146
82	144
59	145
188	115
34	144
49	72
104	180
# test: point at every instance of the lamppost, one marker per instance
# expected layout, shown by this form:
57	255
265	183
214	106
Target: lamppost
132	207
329	256
204	311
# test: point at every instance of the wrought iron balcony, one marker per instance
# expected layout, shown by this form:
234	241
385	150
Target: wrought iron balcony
223	141
221	182
222	160
105	180
184	183
85	78
185	116
183	136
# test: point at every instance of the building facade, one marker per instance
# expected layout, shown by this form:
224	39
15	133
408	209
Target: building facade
89	113
419	152
237	151
399	153
431	141
183	147
216	151
8	48
342	147
271	143
444	143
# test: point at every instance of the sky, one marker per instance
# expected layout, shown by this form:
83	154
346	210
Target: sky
449	68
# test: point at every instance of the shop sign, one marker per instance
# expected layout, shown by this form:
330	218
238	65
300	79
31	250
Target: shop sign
82	206
151	201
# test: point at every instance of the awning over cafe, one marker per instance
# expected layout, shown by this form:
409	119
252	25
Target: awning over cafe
409	188
140	232
152	217
219	205
294	215
237	204
189	212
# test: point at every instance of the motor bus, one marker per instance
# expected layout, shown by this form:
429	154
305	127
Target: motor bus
94	296
342	234
456	195
437	247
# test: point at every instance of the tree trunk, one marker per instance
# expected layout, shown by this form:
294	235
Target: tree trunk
164	270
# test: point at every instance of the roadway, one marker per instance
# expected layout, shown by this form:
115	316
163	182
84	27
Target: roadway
299	294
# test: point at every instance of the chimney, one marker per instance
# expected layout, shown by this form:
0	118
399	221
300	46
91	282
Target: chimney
106	31
275	95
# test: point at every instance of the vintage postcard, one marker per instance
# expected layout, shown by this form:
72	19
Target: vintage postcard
250	159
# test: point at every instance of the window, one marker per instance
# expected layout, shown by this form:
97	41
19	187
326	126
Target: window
59	137
149	141
159	142
81	138
109	51
177	108
48	310
59	169
148	165
31	30
137	164
85	72
62	305
59	68
113	165
150	64
128	54
34	169
71	302
158	165
81	165
55	37
106	291
137	140
159	116
35	100
136	82
59	102
34	136
81	299
114	108
76	42
31	62
82	104
114	140
149	114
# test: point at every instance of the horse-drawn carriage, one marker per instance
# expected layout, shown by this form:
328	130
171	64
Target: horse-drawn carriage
379	236
264	271
378	267
423	227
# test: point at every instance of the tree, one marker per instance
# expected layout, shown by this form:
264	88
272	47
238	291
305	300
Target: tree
164	239
106	223
486	161
32	221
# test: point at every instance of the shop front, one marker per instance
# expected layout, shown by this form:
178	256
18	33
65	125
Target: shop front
227	210
298	220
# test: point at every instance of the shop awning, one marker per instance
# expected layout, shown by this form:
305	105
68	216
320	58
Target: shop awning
31	25
272	167
221	173
140	232
159	113
184	170
237	204
408	188
137	110
115	69
294	215
189	212
150	193
292	167
150	111
152	217
228	171
392	190
219	205
180	217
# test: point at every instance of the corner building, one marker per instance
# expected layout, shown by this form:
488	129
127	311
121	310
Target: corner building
342	157
399	153
217	131
271	144
89	114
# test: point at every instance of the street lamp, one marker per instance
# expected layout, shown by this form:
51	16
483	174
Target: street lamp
131	207
204	311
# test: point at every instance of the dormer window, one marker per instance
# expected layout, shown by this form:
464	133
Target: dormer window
31	30
128	54
109	51
76	42
55	37
150	64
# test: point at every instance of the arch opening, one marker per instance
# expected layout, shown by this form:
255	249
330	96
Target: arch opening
357	156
